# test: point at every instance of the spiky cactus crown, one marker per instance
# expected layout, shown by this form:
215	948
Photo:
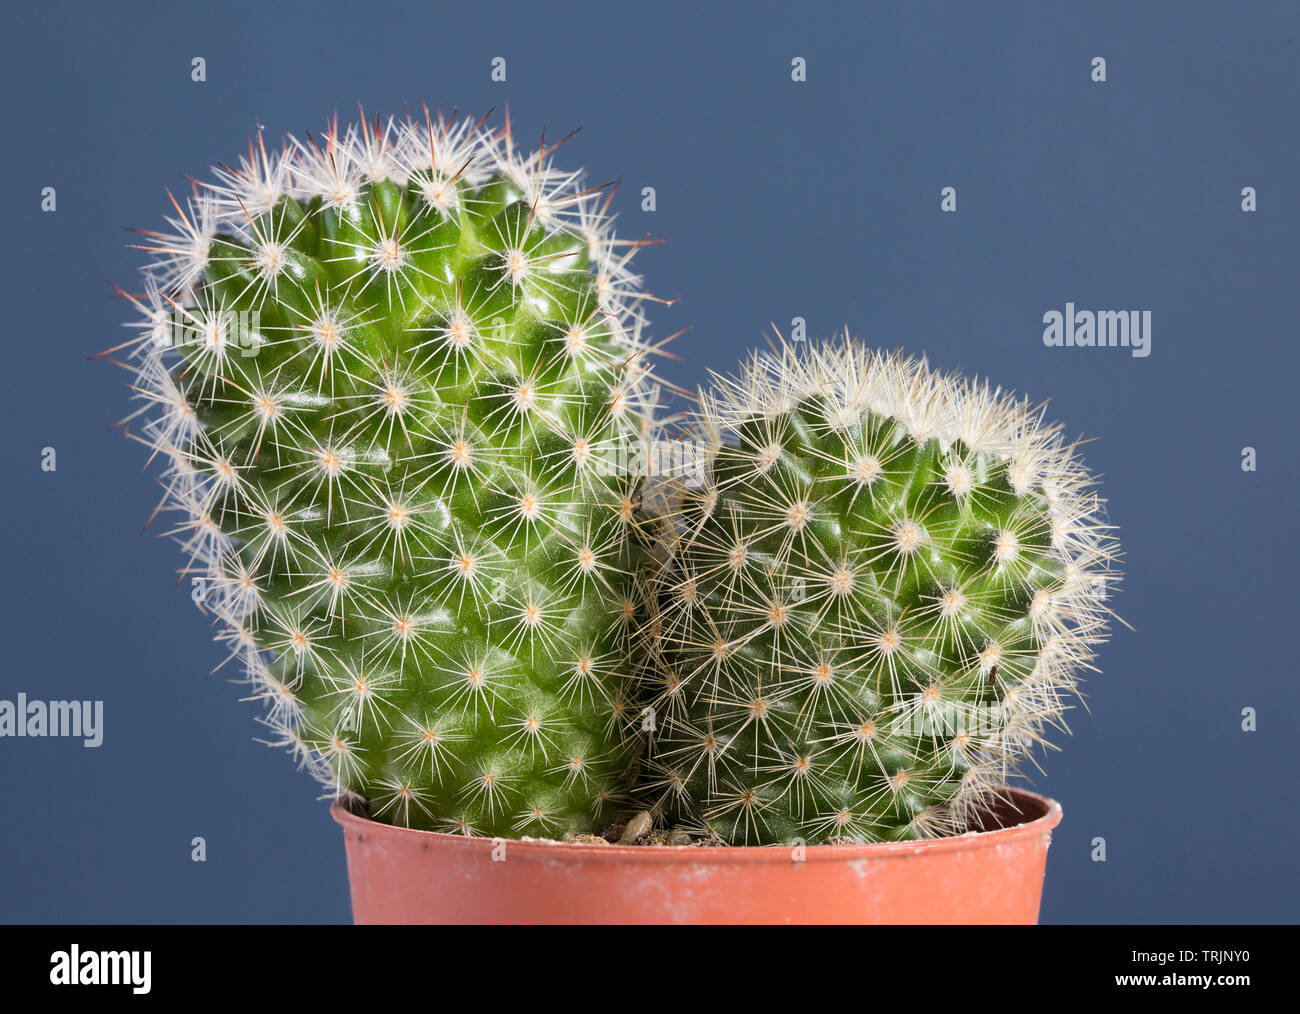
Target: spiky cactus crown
394	376
879	590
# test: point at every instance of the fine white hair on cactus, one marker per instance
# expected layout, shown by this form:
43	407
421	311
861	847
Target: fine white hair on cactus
873	600
384	369
254	186
181	253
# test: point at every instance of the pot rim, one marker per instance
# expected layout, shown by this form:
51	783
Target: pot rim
1046	815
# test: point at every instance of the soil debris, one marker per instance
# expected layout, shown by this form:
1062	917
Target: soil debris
637	828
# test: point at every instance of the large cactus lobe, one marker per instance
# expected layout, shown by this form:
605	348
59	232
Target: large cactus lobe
398	418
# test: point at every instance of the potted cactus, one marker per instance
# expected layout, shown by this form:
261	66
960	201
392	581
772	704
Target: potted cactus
397	380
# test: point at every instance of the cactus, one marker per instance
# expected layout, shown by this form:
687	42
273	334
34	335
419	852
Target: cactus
879	585
392	374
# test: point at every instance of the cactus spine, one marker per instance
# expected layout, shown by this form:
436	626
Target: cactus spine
393	375
878	591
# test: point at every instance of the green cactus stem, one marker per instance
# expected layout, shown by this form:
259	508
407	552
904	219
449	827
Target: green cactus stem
396	379
879	587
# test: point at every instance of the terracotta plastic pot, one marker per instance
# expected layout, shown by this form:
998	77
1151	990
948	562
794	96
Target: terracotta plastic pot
989	876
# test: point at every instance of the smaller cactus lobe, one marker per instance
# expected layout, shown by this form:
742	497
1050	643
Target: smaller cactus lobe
872	604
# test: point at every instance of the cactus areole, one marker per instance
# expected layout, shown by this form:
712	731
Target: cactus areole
394	376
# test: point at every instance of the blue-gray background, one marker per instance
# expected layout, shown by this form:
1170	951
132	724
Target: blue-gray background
777	200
